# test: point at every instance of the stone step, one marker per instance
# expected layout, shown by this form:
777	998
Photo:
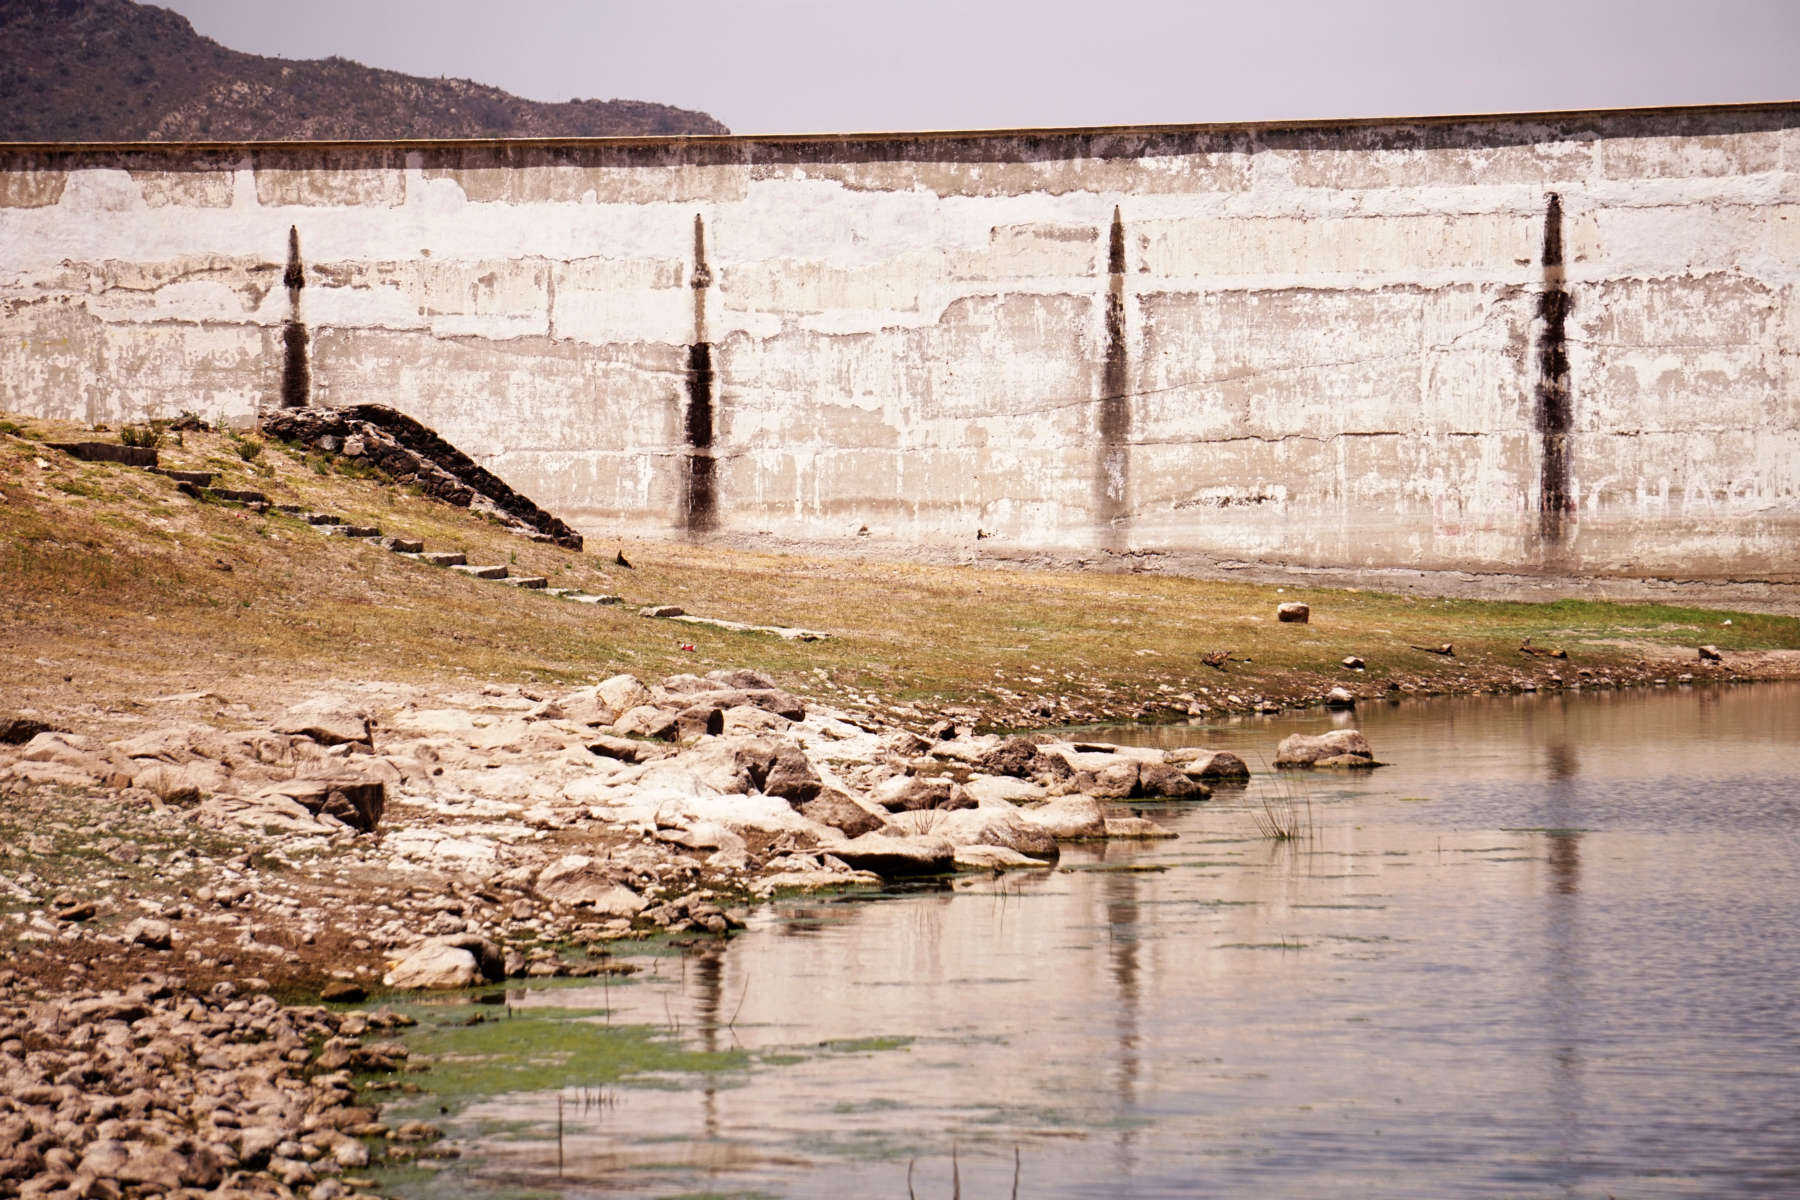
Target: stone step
323	519
131	456
293	510
352	531
202	479
494	572
443	558
534	582
584	598
400	545
237	496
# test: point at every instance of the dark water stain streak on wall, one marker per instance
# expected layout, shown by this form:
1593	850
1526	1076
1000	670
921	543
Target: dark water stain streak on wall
1112	480
296	375
700	502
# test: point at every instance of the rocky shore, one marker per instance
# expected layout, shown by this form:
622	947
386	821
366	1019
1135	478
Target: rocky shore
163	878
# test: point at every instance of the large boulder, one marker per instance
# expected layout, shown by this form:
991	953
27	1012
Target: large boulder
1068	818
996	825
582	882
1207	764
1160	779
648	721
1023	758
326	720
1338	748
1115	781
604	702
838	811
996	858
459	960
895	857
911	793
357	802
791	775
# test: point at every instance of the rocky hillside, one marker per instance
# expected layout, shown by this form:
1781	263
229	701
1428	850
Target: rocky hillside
111	70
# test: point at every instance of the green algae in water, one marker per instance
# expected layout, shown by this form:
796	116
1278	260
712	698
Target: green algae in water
543	1049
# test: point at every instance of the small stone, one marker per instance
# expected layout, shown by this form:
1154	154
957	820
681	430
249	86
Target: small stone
1353	663
1293	612
150	932
1711	654
1340	697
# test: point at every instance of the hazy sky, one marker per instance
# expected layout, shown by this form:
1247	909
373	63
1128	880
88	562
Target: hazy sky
764	66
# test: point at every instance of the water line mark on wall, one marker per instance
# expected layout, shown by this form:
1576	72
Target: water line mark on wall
296	376
1554	416
700	501
1112	478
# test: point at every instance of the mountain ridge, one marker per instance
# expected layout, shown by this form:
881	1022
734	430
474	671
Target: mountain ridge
117	71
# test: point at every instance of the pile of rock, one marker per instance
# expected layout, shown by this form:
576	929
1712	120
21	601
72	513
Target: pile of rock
154	1090
478	835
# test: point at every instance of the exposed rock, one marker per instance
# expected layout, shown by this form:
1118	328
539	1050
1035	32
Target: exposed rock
782	704
791	775
458	960
1160	779
1340	697
740	679
996	858
990	825
838	811
1068	818
1136	828
746	719
627	749
1207	764
647	721
911	793
1115	781
358	803
150	933
342	991
582	882
698	721
604	702
894	857
1338	748
1293	612
1711	654
16	731
326	721
1023	758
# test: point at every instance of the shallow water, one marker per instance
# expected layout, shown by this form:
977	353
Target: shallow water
1549	951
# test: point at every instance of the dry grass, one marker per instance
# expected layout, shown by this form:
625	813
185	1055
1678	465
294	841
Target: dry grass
112	579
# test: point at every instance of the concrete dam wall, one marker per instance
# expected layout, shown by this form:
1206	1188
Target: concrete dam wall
1559	342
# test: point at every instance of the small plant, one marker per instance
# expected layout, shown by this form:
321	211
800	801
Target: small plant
247	448
1283	818
147	436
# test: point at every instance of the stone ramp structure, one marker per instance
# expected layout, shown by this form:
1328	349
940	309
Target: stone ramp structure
408	451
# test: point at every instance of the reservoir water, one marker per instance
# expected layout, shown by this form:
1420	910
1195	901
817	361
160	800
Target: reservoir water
1551	950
